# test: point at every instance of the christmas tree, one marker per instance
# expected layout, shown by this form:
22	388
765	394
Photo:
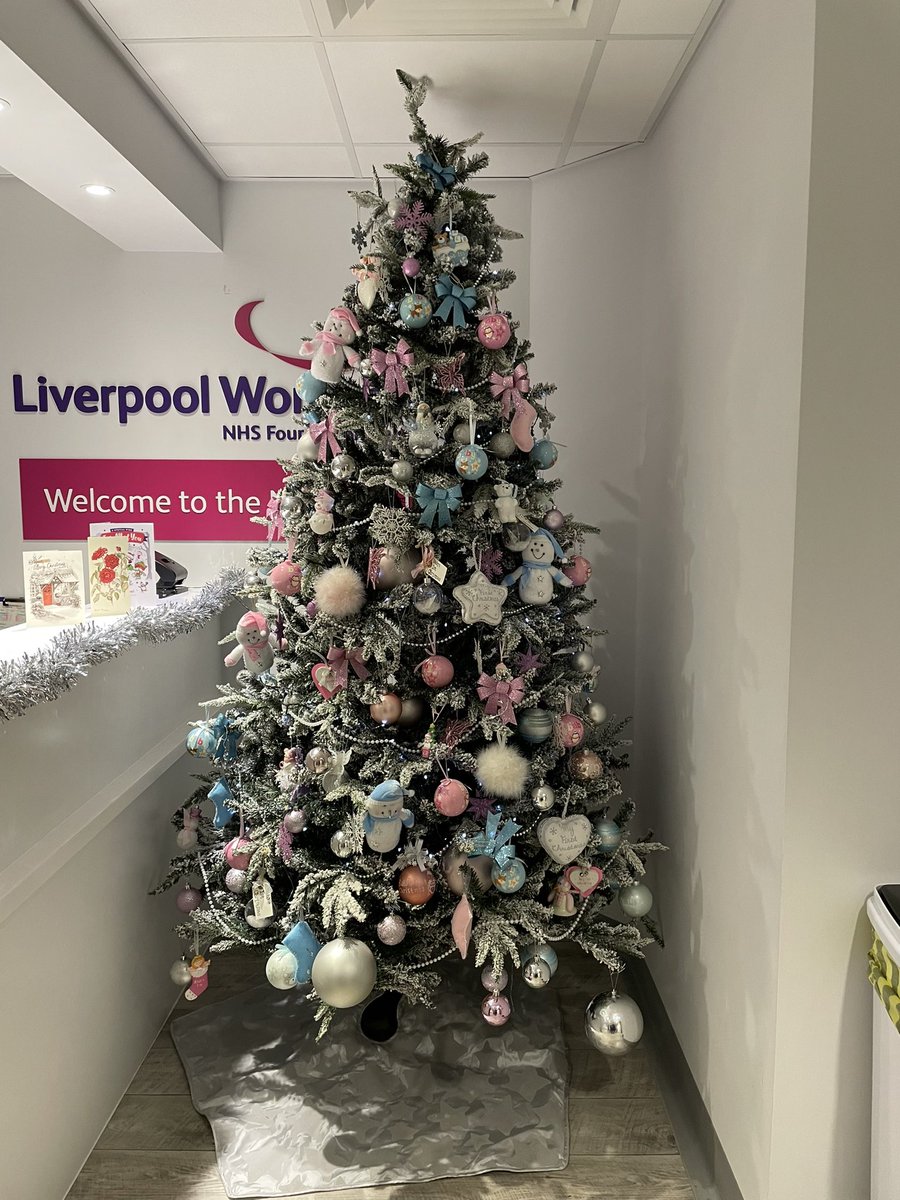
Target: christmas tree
410	765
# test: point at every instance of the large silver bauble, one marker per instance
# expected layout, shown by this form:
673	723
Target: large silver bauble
536	972
307	450
281	967
543	797
402	470
502	445
462	435
343	466
596	712
318	760
583	661
343	972
341	844
391	930
635	900
613	1023
180	972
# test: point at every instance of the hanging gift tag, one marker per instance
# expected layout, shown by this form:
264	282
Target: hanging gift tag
262	899
437	571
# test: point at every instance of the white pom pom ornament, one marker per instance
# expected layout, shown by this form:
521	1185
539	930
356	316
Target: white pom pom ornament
502	771
340	592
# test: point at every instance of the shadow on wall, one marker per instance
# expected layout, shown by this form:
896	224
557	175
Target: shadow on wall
614	586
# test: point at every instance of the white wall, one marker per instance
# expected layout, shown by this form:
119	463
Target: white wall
77	309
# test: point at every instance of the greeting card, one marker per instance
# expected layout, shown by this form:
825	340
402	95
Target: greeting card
108	576
141	558
54	587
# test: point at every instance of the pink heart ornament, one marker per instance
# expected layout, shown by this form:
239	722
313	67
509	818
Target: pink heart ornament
324	679
584	880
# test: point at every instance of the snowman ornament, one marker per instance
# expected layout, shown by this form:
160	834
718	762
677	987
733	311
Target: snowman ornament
321	521
537	573
386	817
331	350
255	644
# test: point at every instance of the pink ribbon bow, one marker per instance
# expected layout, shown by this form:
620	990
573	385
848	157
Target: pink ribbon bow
427	561
390	364
322	433
275	519
339	660
511	391
501	695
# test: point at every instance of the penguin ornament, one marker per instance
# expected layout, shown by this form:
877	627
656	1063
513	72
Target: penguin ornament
537	573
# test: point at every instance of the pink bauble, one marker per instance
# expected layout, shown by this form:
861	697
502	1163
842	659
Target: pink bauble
410	267
236	880
386	710
571	730
578	570
285	579
437	671
237	853
189	899
451	797
553	520
311	609
496	1009
295	820
494	331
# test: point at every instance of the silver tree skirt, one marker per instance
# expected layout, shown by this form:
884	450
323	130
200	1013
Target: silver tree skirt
448	1096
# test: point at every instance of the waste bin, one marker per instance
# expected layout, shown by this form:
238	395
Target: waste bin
883	908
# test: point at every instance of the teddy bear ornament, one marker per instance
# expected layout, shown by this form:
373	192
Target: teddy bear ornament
537	573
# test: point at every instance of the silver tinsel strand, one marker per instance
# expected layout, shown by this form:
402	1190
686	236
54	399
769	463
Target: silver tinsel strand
44	676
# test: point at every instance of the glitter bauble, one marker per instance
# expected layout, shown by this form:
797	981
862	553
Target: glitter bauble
462	434
544	454
238	852
236	880
402	470
553	520
471	462
343	972
343	466
570	730
415	886
341	844
578	570
411	712
596	712
415	311
451	798
494	983
180	973
610	835
188	899
428	598
583	661
410	267
318	760
281	968
635	900
496	1009
535	725
253	920
386	710
437	671
585	765
285	579
543	797
613	1024
502	445
295	820
536	973
391	930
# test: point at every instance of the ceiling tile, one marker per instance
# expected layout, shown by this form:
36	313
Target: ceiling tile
283	162
507	161
243	91
630	79
203	18
513	91
656	18
578	152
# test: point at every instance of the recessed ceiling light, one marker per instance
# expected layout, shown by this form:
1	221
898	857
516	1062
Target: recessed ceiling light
4	104
98	189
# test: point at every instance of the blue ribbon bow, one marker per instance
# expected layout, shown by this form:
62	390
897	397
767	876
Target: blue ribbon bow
227	737
441	177
457	301
496	841
437	502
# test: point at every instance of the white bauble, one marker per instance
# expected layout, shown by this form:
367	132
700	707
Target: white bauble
635	900
281	967
343	972
308	451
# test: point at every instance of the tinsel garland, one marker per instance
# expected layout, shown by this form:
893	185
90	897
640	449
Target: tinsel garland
42	677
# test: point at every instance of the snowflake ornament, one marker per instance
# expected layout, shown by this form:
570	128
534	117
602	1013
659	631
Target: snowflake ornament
480	806
490	563
414	218
358	237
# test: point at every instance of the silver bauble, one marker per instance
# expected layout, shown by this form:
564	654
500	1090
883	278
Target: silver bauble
281	967
541	950
391	930
394	205
462	434
494	983
583	661
235	880
343	466
318	760
307	451
502	445
428	598
536	973
635	900
403	471
341	844
412	712
543	797
180	973
295	820
613	1023
343	972
395	567
253	920
364	366
596	712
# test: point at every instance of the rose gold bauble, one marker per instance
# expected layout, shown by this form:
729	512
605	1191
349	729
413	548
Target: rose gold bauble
571	730
386	710
578	570
585	765
415	885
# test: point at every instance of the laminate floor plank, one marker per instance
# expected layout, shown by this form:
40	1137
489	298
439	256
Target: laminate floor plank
156	1123
160	1074
620	1127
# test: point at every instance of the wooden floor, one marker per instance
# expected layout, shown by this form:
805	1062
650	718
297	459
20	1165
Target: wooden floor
156	1147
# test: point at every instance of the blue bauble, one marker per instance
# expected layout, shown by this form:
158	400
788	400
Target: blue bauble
540	950
610	835
535	724
471	462
510	877
200	742
415	310
544	454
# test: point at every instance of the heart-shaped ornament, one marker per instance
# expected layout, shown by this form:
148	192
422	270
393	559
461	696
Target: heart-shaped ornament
324	679
584	880
564	838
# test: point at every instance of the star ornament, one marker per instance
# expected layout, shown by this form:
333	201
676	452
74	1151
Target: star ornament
481	600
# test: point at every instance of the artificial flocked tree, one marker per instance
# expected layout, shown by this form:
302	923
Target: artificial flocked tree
410	765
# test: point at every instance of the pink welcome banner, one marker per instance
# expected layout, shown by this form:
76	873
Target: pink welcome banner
188	500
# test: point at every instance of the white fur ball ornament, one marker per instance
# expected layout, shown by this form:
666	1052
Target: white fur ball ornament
340	592
502	771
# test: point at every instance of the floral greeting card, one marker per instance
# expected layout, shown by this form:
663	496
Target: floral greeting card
108	576
141	558
54	587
